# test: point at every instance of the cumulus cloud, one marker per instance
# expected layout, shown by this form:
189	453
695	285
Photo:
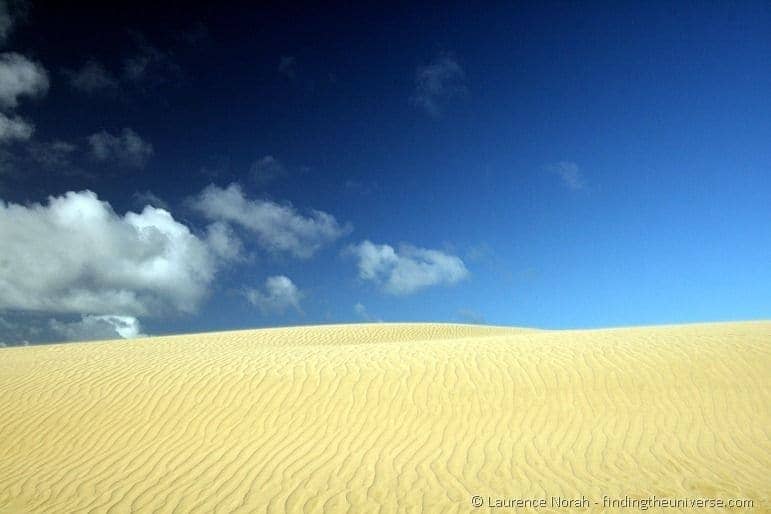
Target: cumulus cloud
125	148
266	170
92	328
408	270
224	242
91	77
20	77
15	129
76	255
279	228
280	294
569	173
438	82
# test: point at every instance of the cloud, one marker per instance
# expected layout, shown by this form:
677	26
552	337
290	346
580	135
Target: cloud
142	198
53	156
361	311
279	228
279	295
408	270
569	173
470	316
223	241
148	64
126	148
20	77
266	170
15	129
92	328
76	255
287	66
438	82
91	77
8	17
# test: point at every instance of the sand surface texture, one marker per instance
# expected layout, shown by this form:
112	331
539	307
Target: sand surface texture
388	418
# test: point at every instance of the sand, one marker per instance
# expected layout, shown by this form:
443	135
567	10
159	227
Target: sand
389	418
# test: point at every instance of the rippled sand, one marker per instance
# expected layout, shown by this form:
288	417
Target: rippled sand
387	418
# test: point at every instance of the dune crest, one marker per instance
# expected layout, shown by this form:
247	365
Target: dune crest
387	418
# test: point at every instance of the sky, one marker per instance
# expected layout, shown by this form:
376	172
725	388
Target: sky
172	170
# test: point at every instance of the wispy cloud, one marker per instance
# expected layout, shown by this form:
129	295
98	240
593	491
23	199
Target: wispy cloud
91	77
125	148
15	129
438	82
9	15
20	77
279	228
408	270
569	173
279	294
267	169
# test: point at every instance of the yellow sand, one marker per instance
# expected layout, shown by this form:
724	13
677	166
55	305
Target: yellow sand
388	418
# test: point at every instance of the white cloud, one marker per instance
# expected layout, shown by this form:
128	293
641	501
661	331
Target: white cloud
223	241
279	228
91	328
438	82
76	255
20	77
15	129
91	77
408	270
279	295
569	173
266	170
126	148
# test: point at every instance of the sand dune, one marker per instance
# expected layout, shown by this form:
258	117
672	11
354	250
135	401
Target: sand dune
388	418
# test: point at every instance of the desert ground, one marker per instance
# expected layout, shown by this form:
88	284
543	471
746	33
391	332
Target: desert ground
386	418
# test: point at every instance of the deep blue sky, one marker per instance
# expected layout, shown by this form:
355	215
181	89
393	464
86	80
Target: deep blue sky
590	166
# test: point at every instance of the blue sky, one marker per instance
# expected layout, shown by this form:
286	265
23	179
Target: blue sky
557	166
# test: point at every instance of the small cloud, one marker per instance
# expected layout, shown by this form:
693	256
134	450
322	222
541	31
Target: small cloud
267	169
126	148
287	66
149	65
279	228
15	129
408	270
140	199
438	82
10	13
361	311
569	173
223	241
20	77
92	328
279	295
92	77
53	155
470	316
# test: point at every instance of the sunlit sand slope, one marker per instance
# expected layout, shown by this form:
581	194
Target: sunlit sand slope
387	418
